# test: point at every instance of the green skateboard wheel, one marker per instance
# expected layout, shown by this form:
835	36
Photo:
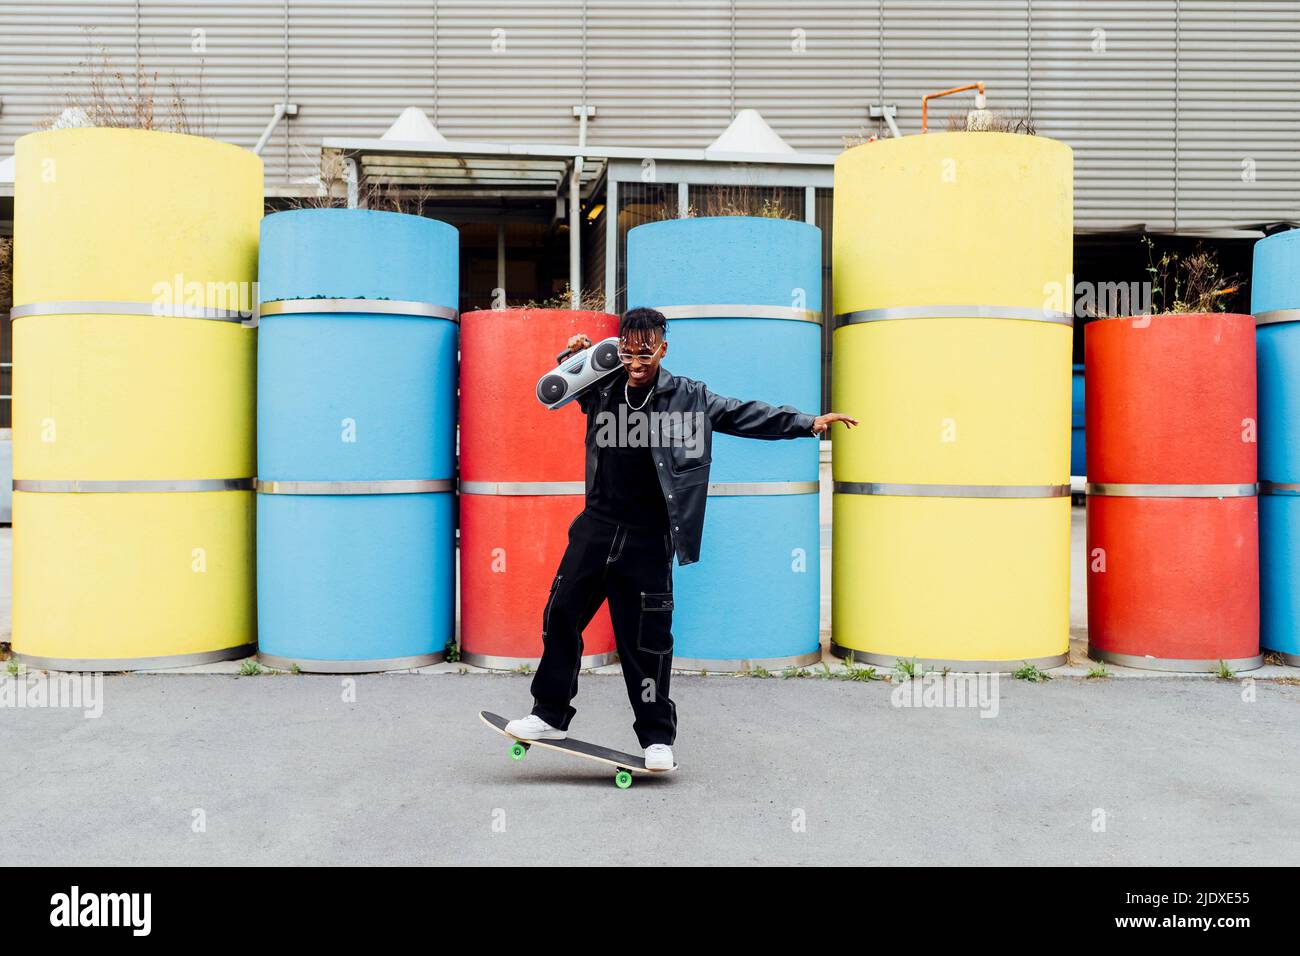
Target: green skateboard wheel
622	779
518	750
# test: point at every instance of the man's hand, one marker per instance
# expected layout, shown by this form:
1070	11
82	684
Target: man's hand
579	342
822	423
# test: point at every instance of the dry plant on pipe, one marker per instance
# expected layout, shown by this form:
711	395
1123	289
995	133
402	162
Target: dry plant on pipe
758	201
1188	283
101	94
590	300
6	274
991	121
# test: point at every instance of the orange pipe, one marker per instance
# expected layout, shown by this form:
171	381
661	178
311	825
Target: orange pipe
925	101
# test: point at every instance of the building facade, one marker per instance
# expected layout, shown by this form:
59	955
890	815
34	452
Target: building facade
1181	113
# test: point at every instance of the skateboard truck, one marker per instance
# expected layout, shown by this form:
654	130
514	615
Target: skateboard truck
622	779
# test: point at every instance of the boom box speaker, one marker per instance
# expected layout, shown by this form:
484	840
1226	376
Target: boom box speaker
577	373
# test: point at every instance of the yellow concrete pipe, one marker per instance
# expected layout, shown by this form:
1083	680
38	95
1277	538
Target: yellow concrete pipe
952	260
124	581
134	410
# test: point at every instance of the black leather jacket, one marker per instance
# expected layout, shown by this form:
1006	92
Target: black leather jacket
683	472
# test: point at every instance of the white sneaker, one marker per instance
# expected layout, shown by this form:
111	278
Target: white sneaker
533	727
659	757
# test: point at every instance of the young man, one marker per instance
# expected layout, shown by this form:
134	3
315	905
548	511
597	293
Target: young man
648	452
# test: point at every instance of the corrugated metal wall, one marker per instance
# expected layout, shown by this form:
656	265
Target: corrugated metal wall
41	46
1182	112
507	72
1238	113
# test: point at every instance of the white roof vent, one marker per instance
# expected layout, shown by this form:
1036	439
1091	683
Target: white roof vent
414	126
749	133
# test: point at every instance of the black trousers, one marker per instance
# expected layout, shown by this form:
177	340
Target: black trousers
633	570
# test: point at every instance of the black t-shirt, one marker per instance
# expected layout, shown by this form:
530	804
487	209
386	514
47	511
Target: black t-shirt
626	489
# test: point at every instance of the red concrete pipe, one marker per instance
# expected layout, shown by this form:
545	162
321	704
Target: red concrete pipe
505	433
511	542
1173	580
510	547
1173	562
1170	399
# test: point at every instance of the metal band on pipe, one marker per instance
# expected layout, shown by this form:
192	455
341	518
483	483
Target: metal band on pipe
721	489
76	486
951	491
739	665
497	663
396	486
310	666
1116	490
857	656
1277	315
1285	488
426	310
523	488
716	489
1175	664
105	307
740	312
135	663
954	312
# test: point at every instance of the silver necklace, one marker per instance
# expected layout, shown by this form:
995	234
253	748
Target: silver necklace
628	398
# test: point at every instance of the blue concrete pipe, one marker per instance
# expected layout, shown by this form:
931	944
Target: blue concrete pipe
743	299
1078	444
1275	302
356	419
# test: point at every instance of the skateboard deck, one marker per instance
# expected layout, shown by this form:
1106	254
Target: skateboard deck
624	764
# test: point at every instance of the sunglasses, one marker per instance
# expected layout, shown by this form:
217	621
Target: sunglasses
627	358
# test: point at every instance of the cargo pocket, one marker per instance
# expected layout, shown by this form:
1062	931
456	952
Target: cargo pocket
546	614
654	633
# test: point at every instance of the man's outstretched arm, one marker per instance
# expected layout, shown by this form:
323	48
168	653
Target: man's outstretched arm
755	419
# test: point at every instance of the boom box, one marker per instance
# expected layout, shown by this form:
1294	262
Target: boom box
577	373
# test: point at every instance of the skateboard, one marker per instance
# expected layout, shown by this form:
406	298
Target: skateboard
624	764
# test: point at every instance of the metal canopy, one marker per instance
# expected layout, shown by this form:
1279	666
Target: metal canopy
462	176
566	151
462	170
